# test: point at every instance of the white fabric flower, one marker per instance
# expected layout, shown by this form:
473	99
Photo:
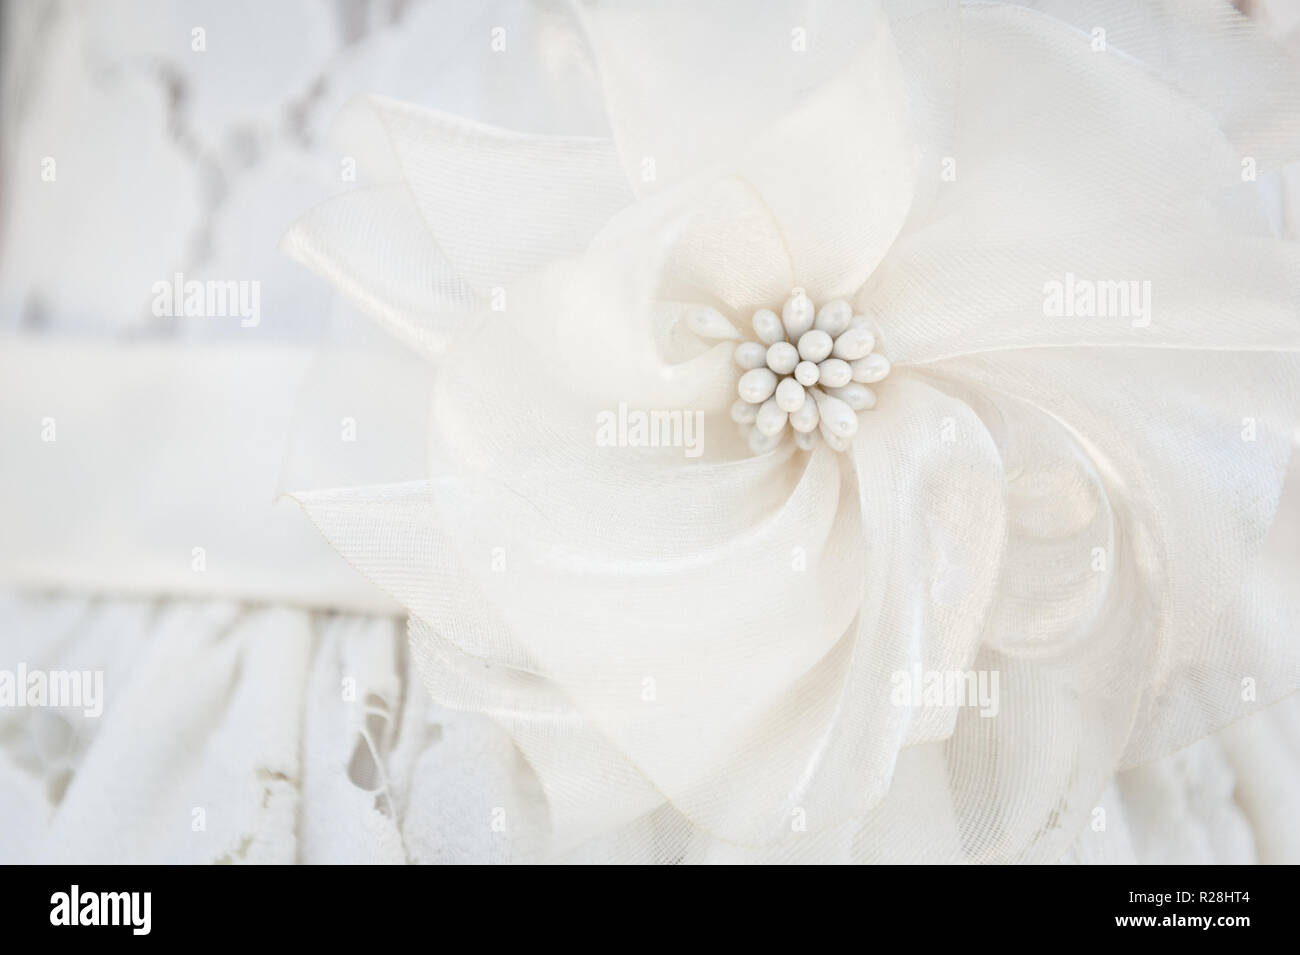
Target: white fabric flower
697	655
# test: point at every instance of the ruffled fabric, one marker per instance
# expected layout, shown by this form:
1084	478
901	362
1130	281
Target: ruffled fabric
696	655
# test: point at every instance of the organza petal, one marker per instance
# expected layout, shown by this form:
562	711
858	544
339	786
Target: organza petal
373	246
620	561
689	86
931	504
837	171
466	657
1192	465
633	605
1221	55
499	203
808	106
1091	205
730	253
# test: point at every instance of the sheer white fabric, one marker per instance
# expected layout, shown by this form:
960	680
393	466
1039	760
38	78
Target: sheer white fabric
1009	448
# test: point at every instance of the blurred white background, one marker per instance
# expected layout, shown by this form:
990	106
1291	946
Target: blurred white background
166	158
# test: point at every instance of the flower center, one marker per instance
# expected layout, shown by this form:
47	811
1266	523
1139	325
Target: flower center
810	369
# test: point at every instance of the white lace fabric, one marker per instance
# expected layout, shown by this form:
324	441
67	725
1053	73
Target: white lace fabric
246	734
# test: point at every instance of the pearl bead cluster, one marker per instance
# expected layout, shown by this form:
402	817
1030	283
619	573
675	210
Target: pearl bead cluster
810	368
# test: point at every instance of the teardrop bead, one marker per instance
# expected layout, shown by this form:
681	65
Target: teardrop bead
834	317
770	419
750	355
797	314
782	357
806	418
768	327
815	345
835	372
790	395
872	368
854	344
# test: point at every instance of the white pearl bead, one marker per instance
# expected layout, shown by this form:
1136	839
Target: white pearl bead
742	412
789	395
836	442
768	327
835	372
836	416
710	323
782	357
807	373
757	385
834	317
861	321
854	344
805	440
858	397
751	355
761	443
815	345
870	369
797	314
771	419
805	419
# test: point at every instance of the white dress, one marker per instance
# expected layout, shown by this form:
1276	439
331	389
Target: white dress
262	701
